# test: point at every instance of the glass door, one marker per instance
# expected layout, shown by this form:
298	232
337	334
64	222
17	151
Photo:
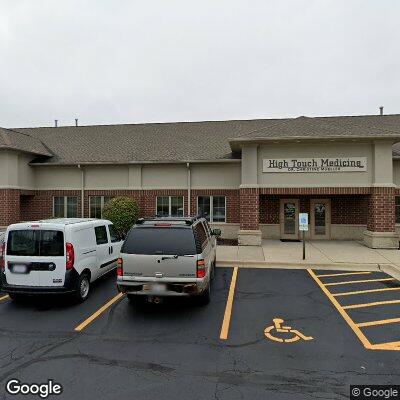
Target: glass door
289	219
320	218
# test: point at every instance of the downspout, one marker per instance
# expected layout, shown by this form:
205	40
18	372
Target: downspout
189	188
82	191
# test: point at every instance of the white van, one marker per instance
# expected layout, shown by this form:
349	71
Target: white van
57	256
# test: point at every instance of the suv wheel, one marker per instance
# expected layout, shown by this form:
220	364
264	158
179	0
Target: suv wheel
205	297
83	288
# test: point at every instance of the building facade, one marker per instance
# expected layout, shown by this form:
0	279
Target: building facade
249	178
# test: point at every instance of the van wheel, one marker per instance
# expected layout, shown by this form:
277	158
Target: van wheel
83	288
205	297
16	297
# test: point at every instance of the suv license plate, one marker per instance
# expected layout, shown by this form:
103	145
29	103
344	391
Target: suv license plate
19	269
156	287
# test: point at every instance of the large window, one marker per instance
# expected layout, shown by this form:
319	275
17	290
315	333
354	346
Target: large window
65	207
96	205
170	206
397	209
213	208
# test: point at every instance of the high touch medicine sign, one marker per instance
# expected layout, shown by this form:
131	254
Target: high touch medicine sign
315	164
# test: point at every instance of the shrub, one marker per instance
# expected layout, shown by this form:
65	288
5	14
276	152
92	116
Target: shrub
123	212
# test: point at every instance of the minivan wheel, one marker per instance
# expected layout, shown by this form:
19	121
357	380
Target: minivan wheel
83	288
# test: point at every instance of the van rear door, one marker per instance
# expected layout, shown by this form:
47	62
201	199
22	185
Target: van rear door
35	257
165	252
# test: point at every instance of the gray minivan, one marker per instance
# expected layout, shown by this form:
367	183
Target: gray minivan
168	257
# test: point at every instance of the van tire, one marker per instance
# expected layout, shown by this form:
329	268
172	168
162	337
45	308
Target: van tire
213	269
16	297
204	298
82	287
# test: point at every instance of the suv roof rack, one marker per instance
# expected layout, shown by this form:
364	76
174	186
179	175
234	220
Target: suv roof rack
187	220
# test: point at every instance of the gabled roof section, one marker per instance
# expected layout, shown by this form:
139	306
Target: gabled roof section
303	128
207	141
11	139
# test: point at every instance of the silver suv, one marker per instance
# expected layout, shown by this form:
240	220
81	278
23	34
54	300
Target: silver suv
168	257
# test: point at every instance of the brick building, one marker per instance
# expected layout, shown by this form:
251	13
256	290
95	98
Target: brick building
250	178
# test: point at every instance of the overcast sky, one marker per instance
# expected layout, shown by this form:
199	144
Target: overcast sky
126	61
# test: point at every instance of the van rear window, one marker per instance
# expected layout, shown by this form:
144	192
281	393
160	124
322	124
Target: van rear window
35	243
152	241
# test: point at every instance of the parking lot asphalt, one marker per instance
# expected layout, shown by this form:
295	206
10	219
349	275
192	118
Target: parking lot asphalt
285	339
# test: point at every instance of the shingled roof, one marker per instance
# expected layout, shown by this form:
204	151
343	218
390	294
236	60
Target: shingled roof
193	141
11	139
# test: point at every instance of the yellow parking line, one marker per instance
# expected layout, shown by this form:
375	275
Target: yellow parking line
375	303
343	313
387	346
381	322
361	281
100	311
228	309
365	291
344	274
4	297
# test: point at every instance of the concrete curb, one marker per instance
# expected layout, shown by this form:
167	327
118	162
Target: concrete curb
391	269
304	265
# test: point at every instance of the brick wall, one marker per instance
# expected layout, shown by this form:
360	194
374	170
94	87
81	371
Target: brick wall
381	210
249	208
9	206
345	209
39	204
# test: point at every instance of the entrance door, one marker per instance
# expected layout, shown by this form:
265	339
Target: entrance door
289	219
320	218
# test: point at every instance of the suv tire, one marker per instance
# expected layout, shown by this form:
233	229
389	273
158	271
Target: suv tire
205	297
82	288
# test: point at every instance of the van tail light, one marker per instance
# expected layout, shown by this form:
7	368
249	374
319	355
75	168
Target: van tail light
201	269
2	255
120	267
69	251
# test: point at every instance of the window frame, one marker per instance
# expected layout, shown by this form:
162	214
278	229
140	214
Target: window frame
170	205
211	203
102	202
65	206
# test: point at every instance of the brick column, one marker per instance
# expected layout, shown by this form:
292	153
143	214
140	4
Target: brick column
9	206
249	233
381	219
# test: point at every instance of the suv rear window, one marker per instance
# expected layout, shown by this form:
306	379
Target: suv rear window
35	243
152	241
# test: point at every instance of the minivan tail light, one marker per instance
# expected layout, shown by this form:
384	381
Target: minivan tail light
201	269
70	256
2	255
120	267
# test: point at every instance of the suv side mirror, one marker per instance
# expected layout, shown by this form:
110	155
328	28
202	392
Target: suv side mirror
216	232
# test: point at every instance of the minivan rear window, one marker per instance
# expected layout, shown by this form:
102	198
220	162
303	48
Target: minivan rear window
152	241
35	243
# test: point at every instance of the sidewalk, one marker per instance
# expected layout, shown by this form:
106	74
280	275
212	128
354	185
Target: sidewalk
334	254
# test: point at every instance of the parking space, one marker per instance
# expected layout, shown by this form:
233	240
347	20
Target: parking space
369	302
284	339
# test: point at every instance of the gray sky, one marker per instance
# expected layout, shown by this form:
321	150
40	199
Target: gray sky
125	61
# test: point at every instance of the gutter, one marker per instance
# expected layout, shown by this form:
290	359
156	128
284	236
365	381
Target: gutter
82	191
189	188
222	161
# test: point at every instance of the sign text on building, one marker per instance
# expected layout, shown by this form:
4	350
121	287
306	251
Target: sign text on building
315	164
